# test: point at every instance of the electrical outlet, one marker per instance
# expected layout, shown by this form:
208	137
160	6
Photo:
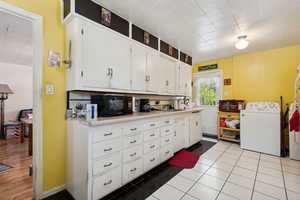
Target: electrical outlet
50	90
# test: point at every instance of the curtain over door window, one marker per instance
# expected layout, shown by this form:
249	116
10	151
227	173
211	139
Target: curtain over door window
208	87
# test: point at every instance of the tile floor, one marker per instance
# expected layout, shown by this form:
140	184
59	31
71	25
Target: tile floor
226	172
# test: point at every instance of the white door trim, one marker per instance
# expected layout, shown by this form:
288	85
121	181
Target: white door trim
37	159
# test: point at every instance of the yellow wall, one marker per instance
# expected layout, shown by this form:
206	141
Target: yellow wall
53	106
261	76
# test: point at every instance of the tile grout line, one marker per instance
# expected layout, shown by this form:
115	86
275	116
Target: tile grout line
235	164
186	193
285	189
256	176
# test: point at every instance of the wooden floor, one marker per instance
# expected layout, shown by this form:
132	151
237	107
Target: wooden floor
15	184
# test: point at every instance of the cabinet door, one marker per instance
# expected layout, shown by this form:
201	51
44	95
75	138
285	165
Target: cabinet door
138	67
195	129
172	68
154	83
179	134
186	80
120	61
97	56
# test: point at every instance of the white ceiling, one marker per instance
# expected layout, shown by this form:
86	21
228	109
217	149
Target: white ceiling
208	29
16	40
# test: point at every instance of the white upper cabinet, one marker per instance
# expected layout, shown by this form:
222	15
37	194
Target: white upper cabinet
138	67
96	59
154	76
168	75
104	60
120	61
185	79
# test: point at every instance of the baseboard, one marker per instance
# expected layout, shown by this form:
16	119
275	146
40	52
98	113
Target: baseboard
53	191
210	136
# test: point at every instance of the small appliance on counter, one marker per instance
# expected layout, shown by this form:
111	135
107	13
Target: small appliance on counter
231	105
112	105
145	105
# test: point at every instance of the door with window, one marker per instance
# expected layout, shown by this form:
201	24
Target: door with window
208	87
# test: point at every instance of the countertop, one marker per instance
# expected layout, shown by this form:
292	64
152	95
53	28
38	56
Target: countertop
137	116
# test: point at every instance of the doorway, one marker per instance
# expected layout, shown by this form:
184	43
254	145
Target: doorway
209	89
21	61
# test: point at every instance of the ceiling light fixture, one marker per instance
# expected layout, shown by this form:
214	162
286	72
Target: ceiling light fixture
242	43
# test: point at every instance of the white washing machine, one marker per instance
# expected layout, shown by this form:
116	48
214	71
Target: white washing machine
260	127
294	138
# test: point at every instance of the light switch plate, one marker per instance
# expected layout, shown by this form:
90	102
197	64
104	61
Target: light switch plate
50	90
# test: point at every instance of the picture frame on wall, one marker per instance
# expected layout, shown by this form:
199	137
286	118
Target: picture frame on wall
146	38
105	17
170	51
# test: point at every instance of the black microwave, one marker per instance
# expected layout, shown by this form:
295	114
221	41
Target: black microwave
112	105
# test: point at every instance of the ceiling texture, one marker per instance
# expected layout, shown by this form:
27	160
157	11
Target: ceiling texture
16	46
208	29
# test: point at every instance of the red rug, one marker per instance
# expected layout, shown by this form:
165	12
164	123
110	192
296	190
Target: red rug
185	159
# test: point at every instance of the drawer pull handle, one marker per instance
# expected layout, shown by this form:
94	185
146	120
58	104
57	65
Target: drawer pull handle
108	134
108	165
167	152
133	129
168	140
152	135
152	146
132	142
168	130
167	122
153	159
132	170
134	154
109	149
152	125
108	183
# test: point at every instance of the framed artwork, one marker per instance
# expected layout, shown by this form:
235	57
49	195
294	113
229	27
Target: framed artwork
105	17
227	81
146	37
170	51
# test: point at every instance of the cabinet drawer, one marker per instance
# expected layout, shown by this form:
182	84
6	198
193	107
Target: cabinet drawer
132	170
106	147
166	130
100	134
132	140
166	140
166	153
105	164
151	134
106	183
132	153
151	125
151	146
131	129
151	160
166	122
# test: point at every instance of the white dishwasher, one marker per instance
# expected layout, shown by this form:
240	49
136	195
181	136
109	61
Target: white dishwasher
260	127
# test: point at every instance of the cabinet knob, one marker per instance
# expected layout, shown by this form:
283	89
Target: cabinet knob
108	183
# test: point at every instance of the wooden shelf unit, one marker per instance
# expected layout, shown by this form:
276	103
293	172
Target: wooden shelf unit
227	115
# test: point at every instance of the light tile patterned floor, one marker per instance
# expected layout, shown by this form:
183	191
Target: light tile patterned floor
226	172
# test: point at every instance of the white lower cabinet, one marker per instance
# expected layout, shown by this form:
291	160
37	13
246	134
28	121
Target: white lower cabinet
103	158
166	152
132	170
107	163
151	160
103	185
132	153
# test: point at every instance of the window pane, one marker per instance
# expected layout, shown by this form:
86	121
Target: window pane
208	91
